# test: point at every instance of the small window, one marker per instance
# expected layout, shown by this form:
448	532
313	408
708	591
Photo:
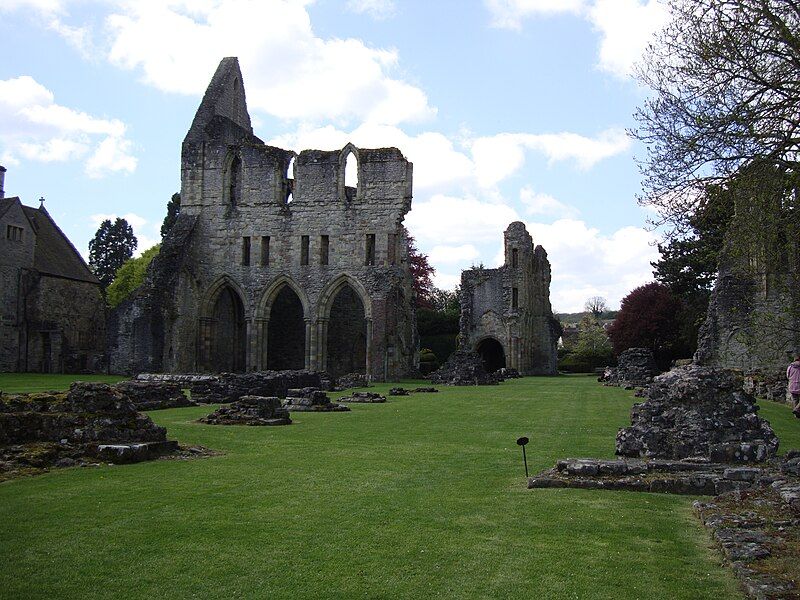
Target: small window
264	250
370	250
246	251
514	298
392	249
14	233
514	258
324	249
304	243
235	181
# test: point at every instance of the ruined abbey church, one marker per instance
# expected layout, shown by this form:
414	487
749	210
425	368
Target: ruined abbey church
274	263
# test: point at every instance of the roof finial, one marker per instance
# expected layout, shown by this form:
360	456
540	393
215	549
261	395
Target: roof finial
41	202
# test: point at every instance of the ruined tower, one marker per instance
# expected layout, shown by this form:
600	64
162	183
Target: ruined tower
505	312
274	262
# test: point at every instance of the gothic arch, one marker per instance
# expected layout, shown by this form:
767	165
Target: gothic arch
343	189
222	330
272	291
493	353
334	286
213	291
345	318
232	177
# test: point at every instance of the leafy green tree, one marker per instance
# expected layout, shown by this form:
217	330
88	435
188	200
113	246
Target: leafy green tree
725	77
112	245
589	350
173	210
130	276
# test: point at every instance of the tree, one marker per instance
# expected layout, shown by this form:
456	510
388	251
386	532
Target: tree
446	301
588	350
111	246
173	210
130	276
596	305
648	318
726	81
421	271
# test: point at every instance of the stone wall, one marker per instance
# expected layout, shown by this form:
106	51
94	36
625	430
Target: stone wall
510	306
261	219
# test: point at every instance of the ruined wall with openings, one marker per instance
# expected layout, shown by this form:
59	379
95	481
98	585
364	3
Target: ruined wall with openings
282	262
505	312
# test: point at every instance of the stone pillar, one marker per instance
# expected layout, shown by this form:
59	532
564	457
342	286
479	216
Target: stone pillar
308	358
322	344
262	333
313	327
369	349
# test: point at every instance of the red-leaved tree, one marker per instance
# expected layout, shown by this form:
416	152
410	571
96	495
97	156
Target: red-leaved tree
649	317
421	271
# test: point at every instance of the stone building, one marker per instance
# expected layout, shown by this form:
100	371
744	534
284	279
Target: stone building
52	312
274	262
506	314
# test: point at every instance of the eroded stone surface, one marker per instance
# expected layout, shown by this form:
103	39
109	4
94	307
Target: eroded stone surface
635	367
696	411
364	398
62	429
311	400
153	395
250	410
464	368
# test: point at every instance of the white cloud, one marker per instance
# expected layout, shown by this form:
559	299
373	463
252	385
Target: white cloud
377	9
450	255
536	203
626	27
499	156
289	71
508	14
587	263
34	127
448	220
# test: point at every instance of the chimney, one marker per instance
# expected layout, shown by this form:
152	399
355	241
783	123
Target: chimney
2	181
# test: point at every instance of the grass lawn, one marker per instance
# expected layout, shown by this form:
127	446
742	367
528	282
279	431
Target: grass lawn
16	383
421	497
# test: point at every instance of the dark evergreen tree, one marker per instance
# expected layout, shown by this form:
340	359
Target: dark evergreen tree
111	246
173	210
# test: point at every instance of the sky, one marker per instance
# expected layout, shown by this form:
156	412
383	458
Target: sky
509	109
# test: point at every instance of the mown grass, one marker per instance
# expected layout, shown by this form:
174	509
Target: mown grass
16	383
421	497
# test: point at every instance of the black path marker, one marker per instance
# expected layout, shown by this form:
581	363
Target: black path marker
521	442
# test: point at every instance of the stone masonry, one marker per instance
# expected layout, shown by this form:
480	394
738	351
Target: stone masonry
275	263
506	314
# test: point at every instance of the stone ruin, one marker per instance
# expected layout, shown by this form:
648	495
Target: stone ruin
464	367
698	412
89	423
401	391
636	367
250	410
229	387
768	384
364	398
506	315
275	262
311	400
153	395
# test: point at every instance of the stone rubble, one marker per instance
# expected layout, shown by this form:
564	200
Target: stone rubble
92	421
311	399
635	367
365	398
464	367
399	391
250	410
351	380
701	412
769	385
153	395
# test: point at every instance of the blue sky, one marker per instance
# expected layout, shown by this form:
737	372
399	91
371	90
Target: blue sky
509	109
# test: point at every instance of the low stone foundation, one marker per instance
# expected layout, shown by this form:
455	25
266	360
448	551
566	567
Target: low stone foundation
364	398
250	410
351	380
464	368
636	367
153	395
311	400
768	385
90	422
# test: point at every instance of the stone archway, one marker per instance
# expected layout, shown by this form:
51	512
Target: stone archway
225	334
492	354
286	331
346	349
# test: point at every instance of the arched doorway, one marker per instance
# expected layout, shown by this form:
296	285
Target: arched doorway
286	333
492	354
228	333
347	334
